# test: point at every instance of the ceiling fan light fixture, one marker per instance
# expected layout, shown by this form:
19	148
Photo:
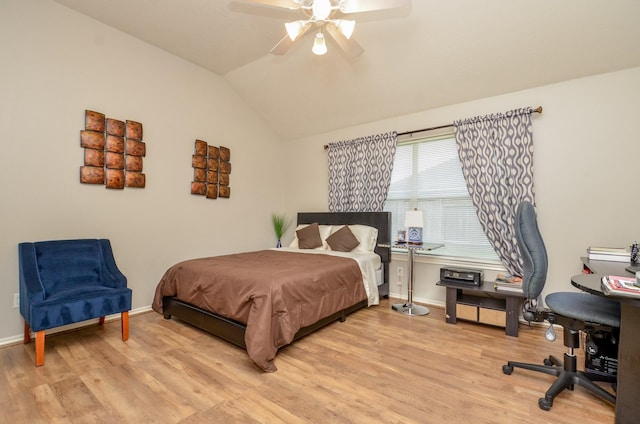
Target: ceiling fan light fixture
319	44
321	9
346	27
294	29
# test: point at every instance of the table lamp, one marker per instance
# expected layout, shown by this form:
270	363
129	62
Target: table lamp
414	223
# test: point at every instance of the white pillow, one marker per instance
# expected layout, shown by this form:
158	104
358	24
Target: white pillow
366	235
325	231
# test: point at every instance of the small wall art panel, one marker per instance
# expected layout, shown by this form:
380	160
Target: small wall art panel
115	178
93	157
115	127
211	169
133	163
113	152
92	175
94	121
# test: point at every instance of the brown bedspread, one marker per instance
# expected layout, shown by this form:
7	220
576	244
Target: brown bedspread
274	293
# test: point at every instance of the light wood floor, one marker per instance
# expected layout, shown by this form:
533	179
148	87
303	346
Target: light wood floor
378	366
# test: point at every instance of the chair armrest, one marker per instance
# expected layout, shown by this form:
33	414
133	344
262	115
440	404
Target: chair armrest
31	288
116	277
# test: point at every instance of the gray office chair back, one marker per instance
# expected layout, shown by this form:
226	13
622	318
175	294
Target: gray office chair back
532	250
576	312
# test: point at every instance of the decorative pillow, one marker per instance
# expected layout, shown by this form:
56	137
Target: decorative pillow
367	237
309	237
343	240
325	231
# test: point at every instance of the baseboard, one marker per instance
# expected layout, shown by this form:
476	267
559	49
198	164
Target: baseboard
420	300
7	341
19	338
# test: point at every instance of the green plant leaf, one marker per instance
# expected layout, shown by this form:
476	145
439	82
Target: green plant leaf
280	224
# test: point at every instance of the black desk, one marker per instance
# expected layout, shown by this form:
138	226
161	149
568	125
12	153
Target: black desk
628	390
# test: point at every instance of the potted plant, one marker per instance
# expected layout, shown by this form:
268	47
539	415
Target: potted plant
280	225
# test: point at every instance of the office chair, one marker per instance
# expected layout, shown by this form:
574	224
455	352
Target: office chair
574	311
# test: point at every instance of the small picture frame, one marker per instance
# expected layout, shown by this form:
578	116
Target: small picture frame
402	236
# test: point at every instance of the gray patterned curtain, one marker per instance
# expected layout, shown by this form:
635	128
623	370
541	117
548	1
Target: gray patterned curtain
496	152
360	173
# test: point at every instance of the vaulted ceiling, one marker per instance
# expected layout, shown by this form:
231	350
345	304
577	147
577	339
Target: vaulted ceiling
429	54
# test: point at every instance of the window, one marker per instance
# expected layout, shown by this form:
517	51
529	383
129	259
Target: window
427	175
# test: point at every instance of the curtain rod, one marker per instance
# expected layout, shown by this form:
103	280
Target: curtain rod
536	110
439	127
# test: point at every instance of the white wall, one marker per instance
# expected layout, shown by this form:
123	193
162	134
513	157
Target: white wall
586	166
55	64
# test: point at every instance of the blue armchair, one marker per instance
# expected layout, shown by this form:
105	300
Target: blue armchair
68	281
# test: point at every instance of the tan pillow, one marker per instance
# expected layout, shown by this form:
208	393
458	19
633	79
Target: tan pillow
309	237
343	240
368	237
325	231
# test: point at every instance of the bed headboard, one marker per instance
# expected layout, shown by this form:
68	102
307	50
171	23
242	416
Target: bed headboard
379	220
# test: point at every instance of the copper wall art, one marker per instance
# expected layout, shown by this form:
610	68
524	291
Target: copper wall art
113	152
211	169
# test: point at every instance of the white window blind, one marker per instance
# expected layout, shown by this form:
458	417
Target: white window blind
427	175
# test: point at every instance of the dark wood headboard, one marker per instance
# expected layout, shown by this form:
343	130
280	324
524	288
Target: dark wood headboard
379	220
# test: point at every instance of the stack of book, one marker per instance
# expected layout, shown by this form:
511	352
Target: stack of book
613	254
511	283
620	286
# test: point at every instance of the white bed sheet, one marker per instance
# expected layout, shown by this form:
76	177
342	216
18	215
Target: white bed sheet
369	263
379	277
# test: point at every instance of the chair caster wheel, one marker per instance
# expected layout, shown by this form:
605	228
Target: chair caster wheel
544	404
507	369
548	362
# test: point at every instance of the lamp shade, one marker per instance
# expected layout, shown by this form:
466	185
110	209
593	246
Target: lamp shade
294	29
414	222
413	219
319	45
346	27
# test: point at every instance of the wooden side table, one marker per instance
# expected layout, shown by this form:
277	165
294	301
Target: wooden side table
483	304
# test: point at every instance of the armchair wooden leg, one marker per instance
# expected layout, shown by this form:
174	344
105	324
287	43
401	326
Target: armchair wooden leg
39	348
27	333
101	322
124	320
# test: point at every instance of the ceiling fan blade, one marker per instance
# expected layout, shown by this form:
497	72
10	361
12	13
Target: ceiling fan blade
286	4
348	45
286	43
356	6
283	46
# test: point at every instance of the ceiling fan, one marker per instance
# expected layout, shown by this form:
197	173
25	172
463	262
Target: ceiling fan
326	16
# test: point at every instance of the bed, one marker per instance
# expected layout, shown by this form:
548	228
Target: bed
286	293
